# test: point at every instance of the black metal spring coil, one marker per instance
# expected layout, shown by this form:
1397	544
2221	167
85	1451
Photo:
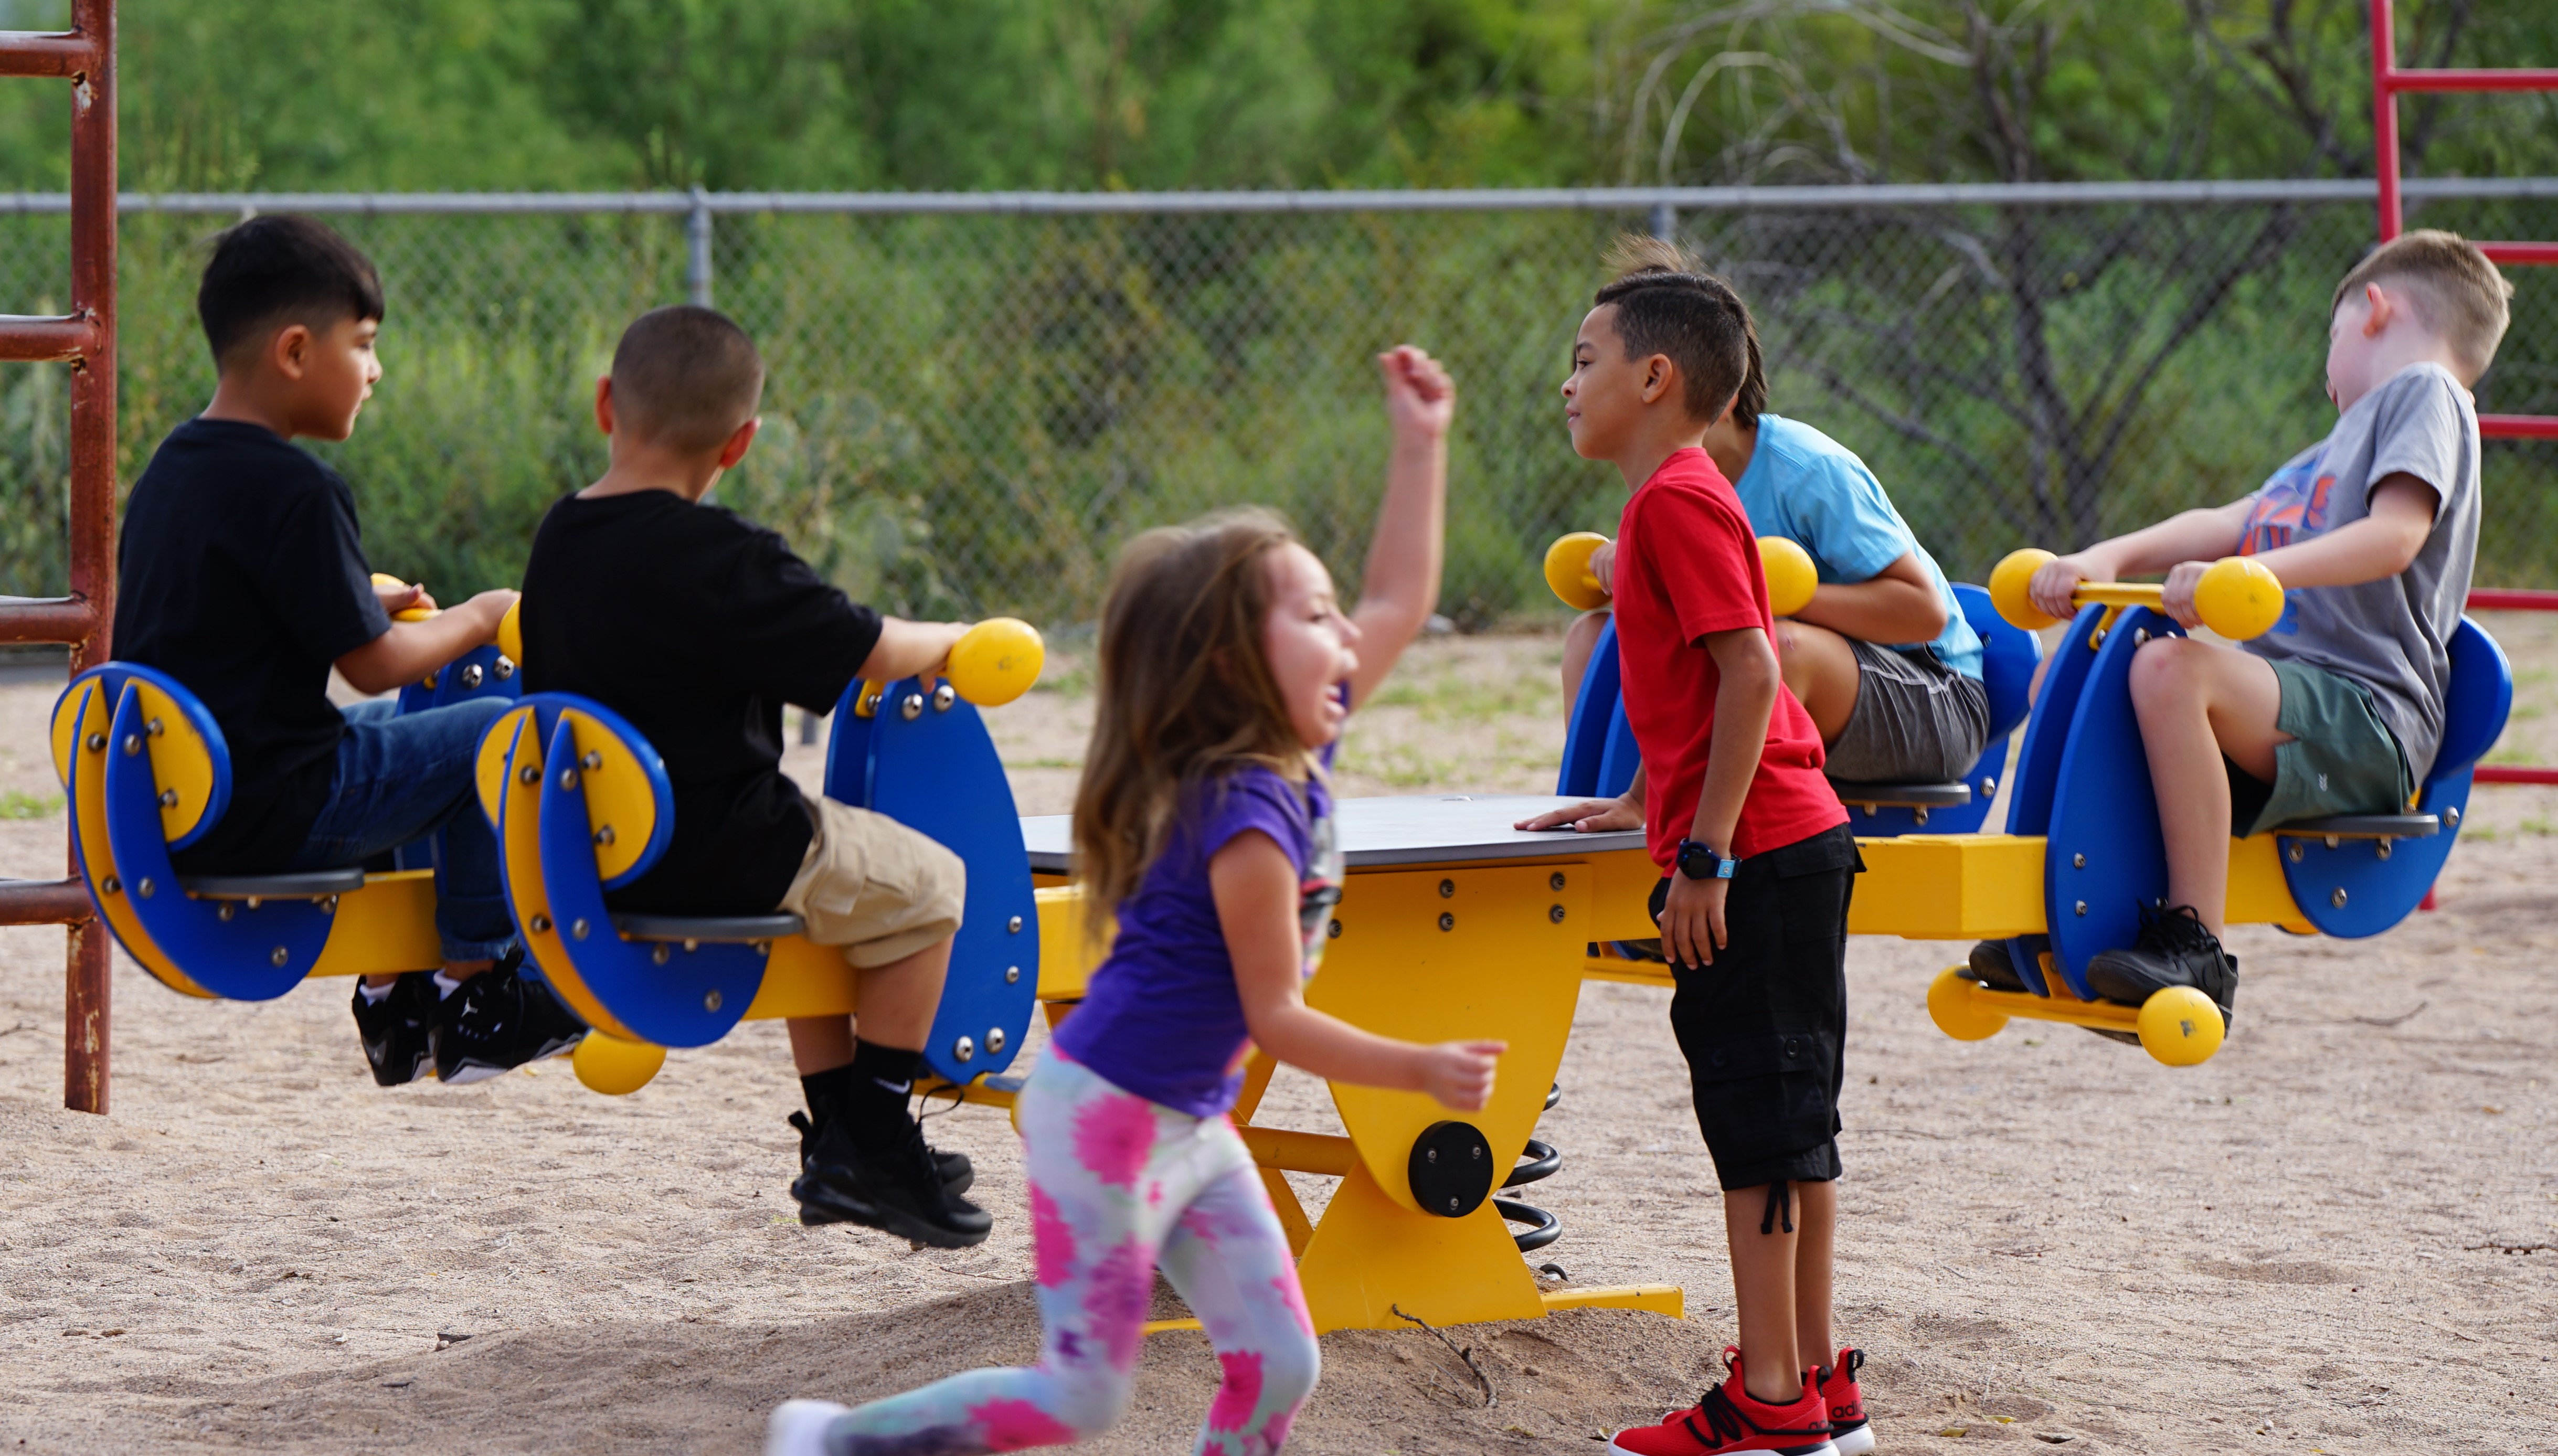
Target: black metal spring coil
1543	1162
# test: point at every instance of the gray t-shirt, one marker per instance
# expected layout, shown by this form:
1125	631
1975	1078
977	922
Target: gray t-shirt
2391	635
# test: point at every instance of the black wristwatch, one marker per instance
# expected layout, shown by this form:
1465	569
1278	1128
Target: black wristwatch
1697	862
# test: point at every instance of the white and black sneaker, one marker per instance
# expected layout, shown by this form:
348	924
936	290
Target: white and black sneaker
499	1020
398	1031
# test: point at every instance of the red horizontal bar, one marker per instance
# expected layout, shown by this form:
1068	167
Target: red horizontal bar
2508	773
2518	426
47	619
43	902
2545	254
35	52
2501	78
2511	599
26	339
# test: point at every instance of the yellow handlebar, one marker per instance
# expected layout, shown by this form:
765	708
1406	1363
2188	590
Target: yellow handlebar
997	660
2237	598
1790	574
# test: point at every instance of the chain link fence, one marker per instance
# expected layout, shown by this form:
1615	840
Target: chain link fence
975	398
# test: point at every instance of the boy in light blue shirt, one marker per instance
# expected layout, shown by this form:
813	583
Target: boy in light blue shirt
1881	657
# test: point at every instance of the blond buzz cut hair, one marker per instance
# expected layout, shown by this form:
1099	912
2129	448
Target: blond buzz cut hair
2455	291
685	378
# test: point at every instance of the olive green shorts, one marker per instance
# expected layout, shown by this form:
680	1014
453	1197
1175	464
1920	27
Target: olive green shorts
2342	759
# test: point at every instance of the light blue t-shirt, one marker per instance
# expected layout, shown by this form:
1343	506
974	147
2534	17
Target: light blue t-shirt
1811	490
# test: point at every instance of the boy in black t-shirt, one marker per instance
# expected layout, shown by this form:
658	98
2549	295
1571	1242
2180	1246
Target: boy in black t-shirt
698	626
243	575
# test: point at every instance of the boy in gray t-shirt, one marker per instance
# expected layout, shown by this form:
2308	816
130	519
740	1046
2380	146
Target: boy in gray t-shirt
2372	532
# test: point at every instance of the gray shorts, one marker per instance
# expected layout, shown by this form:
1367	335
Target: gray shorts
1915	720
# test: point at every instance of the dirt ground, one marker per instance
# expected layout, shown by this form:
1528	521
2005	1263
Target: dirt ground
2341	1234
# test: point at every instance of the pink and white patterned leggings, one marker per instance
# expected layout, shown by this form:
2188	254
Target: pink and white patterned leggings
1119	1185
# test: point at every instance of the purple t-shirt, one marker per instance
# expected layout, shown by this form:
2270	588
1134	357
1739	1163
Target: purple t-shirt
1162	1017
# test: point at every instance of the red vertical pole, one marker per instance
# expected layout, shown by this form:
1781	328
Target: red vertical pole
88	979
2384	114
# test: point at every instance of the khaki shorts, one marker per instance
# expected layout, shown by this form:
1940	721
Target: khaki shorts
875	887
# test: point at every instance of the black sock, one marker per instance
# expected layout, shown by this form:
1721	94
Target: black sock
877	1085
828	1091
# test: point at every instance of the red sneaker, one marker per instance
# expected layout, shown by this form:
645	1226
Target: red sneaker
1849	1429
1728	1418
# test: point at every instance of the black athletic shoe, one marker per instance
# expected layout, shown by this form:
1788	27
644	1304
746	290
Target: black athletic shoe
957	1173
500	1020
397	1031
1993	967
895	1190
2174	950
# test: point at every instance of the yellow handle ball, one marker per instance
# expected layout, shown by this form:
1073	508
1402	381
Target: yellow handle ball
2010	582
1792	577
997	660
614	1067
510	633
1567	570
2238	598
1956	1014
2181	1027
405	614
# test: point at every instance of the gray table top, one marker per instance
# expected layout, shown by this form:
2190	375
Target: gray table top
1414	829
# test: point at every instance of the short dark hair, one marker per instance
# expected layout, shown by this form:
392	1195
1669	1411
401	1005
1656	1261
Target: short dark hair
282	268
1667	304
685	377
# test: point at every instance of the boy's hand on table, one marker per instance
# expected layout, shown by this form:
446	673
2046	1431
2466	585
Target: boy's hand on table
1692	920
1459	1075
1420	398
1590	816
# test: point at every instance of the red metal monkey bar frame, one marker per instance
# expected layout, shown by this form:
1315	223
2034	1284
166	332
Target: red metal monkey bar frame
85	339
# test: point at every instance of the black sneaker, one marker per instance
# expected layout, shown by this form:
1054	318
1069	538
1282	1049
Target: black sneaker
500	1020
957	1173
397	1031
1993	967
2174	950
895	1190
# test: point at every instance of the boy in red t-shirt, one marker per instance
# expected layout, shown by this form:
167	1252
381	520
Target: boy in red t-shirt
1758	862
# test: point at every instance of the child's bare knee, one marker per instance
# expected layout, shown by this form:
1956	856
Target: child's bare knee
2166	666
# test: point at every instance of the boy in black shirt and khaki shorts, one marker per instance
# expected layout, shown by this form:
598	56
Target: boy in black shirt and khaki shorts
697	626
243	576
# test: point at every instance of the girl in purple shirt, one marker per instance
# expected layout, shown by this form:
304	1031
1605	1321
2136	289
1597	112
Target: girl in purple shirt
1203	824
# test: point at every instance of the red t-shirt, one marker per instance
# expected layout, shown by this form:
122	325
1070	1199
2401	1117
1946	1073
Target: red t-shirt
1687	564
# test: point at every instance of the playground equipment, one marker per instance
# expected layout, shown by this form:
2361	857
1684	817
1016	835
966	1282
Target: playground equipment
2082	851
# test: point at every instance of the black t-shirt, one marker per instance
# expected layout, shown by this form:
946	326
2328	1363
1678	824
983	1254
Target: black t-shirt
242	574
697	626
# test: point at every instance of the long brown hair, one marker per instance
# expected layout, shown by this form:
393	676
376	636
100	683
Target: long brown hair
1184	691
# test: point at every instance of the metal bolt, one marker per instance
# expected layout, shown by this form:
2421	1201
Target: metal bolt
2333	841
279	955
593	760
531	775
1554	881
2338	899
1452	1208
994	1039
2295	850
1334	931
1447	922
710	1001
328	905
661	954
2140	636
226	911
2383	850
155	728
568	780
1430	1155
1014	925
97	743
576	928
1918	816
1012	975
168	799
866	705
471	678
2096	638
1988	786
2451	816
1555	914
143	887
255	901
604	835
541	923
2077	861
1446	889
912	708
2082	907
505	668
429	683
943	698
692	946
761	947
964	1050
113	886
132	744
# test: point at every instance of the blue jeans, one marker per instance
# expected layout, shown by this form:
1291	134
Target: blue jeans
402	778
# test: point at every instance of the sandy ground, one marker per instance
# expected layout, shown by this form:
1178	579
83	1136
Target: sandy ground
2334	1237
